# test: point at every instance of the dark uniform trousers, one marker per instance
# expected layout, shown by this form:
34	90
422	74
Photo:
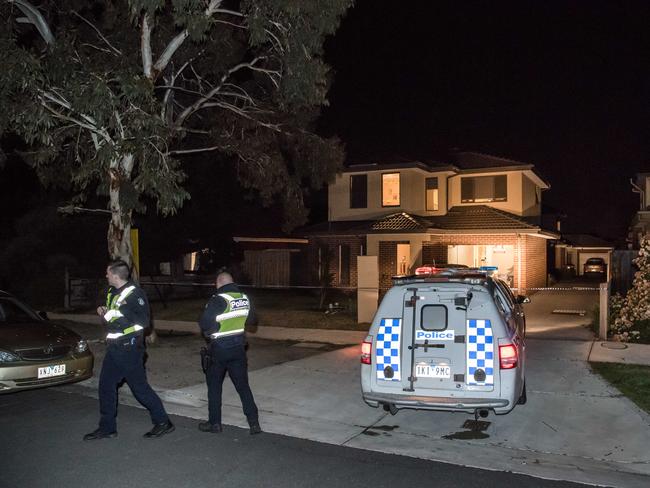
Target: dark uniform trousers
125	360
228	354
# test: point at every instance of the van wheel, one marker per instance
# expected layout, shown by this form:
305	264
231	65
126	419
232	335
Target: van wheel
390	408
522	398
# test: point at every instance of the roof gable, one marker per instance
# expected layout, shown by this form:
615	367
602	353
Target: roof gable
401	222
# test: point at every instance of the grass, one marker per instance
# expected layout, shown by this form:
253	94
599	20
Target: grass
632	380
275	308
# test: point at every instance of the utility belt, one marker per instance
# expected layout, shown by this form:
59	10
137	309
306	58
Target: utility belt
229	340
131	336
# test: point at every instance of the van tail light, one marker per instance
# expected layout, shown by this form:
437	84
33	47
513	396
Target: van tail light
366	352
508	356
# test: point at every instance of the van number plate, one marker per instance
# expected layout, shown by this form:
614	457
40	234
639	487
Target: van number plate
49	371
424	370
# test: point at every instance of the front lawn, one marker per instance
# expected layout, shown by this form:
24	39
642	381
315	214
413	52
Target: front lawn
632	380
276	308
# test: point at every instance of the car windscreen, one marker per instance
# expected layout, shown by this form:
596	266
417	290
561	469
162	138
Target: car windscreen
595	261
12	312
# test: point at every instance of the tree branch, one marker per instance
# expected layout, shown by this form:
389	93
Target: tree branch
244	114
166	56
145	46
70	209
115	50
199	103
169	51
33	16
193	151
90	123
166	114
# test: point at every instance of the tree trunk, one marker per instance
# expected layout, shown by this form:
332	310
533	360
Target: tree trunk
119	228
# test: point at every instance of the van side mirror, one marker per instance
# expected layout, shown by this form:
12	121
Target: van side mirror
522	299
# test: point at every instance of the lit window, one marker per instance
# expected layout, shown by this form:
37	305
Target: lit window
390	190
431	191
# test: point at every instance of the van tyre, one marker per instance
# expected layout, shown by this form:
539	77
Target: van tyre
522	398
390	408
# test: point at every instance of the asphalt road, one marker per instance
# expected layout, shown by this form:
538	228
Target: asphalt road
41	446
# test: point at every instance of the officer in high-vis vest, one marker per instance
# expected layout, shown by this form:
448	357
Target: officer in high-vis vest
126	316
222	324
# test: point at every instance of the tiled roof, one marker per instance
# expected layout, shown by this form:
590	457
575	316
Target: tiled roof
401	222
585	240
479	217
466	218
476	160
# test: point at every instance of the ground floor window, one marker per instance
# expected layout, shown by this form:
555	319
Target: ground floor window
494	257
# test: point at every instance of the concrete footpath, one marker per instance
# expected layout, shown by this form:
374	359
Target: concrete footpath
574	427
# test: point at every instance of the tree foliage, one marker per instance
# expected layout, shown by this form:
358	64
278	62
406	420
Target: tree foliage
112	95
631	313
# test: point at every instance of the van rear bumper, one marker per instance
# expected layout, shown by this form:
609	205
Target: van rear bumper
436	403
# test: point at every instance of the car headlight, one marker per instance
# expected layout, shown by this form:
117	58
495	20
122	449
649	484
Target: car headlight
7	357
82	346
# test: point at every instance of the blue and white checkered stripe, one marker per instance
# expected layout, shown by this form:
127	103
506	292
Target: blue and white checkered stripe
387	347
480	351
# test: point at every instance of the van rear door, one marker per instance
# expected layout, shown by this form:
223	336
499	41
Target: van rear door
443	346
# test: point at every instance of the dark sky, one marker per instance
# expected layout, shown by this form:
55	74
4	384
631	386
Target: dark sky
562	85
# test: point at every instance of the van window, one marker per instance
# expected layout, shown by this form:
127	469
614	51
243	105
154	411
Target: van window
433	317
507	294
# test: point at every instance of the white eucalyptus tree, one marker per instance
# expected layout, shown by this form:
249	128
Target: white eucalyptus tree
111	95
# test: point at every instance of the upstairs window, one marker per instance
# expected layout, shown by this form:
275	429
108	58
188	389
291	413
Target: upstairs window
431	193
390	194
358	191
480	189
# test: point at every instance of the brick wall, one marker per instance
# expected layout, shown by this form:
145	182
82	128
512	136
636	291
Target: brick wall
387	264
355	244
534	264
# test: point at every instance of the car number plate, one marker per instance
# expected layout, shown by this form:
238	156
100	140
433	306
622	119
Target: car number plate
424	370
49	371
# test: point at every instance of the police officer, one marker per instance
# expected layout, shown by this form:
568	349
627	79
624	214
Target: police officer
126	315
222	323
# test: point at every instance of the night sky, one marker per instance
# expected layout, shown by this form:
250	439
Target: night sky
562	85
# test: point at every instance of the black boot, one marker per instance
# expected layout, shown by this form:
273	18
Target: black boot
208	427
98	434
160	430
254	427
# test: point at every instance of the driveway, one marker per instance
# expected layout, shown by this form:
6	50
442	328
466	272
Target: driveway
574	427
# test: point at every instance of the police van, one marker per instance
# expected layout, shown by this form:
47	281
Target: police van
451	340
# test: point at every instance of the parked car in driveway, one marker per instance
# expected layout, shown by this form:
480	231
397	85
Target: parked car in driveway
35	352
453	340
595	267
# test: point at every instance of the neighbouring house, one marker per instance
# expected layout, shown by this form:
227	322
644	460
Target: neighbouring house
574	250
476	209
640	224
272	260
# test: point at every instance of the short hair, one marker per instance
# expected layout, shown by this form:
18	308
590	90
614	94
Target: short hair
224	277
120	268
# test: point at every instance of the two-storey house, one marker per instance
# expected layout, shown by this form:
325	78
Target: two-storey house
476	210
